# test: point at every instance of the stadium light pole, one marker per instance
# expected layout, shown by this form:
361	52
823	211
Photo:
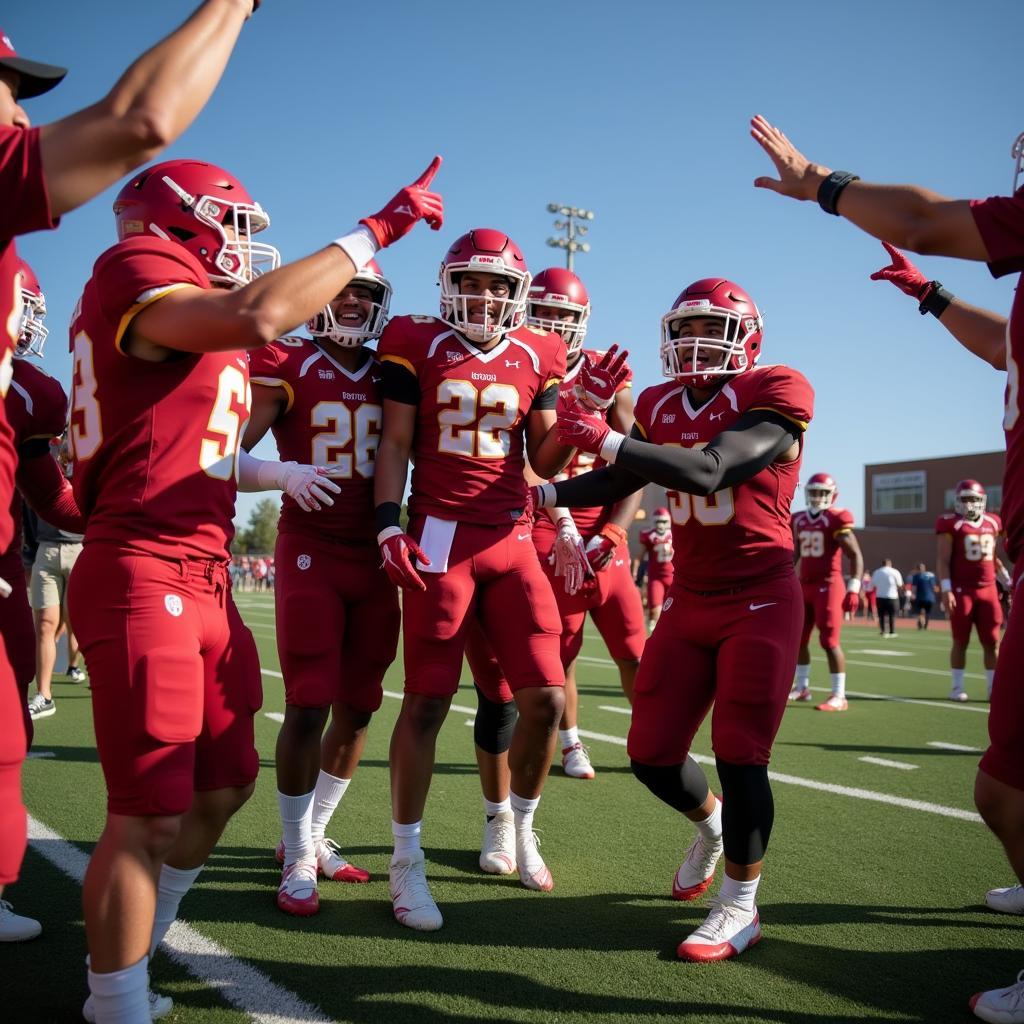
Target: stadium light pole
570	215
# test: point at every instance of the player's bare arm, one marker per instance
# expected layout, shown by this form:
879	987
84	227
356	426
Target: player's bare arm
980	331
911	217
153	102
547	454
268	406
854	556
943	561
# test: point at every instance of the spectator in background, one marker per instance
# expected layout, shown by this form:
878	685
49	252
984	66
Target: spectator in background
888	583
55	558
925	587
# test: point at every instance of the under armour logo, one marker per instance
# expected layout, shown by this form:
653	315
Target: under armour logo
716	415
512	362
406	209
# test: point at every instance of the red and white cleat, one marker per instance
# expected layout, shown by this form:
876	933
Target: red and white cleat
796	694
533	872
834	703
297	894
410	896
576	762
333	866
725	933
1001	1005
697	871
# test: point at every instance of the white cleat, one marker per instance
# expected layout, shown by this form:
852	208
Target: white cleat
576	762
697	871
14	927
725	933
1006	901
297	894
410	898
797	694
159	1007
958	695
498	850
1001	1005
533	872
834	703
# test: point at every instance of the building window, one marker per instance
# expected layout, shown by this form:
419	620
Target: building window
896	493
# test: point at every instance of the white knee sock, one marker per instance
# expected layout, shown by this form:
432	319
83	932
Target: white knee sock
711	826
958	678
407	838
296	825
172	886
522	811
803	677
990	676
838	684
326	797
491	807
121	997
740	894
568	737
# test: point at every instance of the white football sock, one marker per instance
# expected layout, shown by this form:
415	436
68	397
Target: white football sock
711	826
568	737
296	821
407	838
492	807
326	797
522	810
121	997
838	684
172	886
958	678
990	675
803	677
740	894
527	854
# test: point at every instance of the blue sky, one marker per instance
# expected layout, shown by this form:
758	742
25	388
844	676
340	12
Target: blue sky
638	112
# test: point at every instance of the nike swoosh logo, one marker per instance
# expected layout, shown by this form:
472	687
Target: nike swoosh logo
758	607
522	536
822	590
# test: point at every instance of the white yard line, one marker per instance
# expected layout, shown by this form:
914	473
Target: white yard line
884	762
939	745
238	983
886	653
274	716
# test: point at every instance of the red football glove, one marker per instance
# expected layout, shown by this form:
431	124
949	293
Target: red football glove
396	547
902	273
412	204
601	547
582	430
595	386
851	602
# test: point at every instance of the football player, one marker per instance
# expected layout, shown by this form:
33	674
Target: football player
967	567
660	554
724	438
48	171
824	533
337	611
161	395
989	231
466	397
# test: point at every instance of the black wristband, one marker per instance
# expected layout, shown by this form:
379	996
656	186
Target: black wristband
388	513
936	300
831	188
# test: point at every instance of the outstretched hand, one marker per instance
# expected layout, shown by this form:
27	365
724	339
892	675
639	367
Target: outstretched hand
408	206
798	177
596	386
903	274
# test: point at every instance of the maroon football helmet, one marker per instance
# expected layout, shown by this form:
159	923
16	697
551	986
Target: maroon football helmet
484	251
704	361
325	324
191	202
561	289
820	493
32	333
662	519
969	500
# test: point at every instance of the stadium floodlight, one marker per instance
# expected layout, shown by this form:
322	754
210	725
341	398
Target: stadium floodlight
570	215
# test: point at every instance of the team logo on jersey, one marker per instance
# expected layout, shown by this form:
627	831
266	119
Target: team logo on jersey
453	357
512	362
715	415
668	604
668	417
174	605
326	374
303	561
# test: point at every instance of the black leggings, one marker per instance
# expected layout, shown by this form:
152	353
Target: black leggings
887	610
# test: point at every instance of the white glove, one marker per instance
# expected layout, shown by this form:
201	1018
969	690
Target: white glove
309	486
569	556
5	588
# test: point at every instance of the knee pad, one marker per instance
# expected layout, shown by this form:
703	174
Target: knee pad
748	810
681	786
495	723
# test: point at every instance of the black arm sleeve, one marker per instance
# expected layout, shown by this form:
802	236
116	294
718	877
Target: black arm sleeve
755	441
399	384
603	486
546	399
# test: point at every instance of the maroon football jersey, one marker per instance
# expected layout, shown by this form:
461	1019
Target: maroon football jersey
155	444
738	533
660	553
972	562
1000	221
817	538
469	452
332	418
25	208
36	408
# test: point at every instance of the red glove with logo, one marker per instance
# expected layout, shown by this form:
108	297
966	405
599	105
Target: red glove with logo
601	547
396	547
411	204
851	603
595	386
903	274
583	430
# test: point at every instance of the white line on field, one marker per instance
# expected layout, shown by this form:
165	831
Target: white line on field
274	716
946	704
886	763
618	711
883	654
938	744
787	780
237	983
